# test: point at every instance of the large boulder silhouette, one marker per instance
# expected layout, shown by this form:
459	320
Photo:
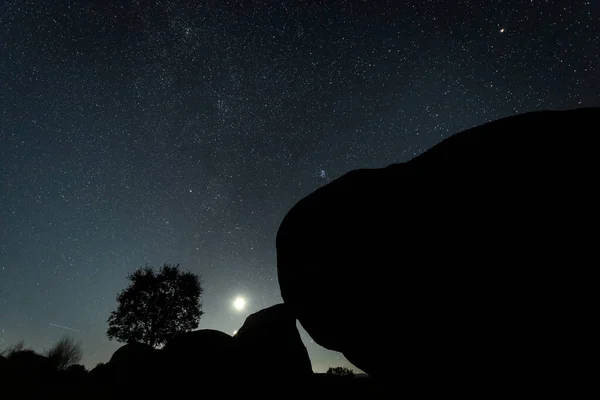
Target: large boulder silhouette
129	368
134	355
269	344
453	267
203	355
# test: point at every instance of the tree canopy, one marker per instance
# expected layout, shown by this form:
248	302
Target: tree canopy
156	306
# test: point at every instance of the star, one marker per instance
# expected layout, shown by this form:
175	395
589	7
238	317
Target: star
196	139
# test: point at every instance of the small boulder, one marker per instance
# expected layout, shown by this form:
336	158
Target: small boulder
269	344
129	367
198	357
133	354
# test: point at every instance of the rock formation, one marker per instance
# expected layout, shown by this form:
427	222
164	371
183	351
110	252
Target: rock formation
269	344
201	357
129	369
455	265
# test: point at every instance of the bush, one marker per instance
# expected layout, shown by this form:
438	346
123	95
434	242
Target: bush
77	369
341	371
11	350
65	353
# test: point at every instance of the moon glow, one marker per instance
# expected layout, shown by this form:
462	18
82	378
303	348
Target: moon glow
239	303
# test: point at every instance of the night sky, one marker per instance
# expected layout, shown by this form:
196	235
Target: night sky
136	132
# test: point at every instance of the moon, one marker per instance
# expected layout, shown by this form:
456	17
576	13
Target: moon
239	303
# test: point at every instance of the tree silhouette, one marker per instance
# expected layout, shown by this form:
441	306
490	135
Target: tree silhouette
156	306
65	353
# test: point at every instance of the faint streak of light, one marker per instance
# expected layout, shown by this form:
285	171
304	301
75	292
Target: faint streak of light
63	327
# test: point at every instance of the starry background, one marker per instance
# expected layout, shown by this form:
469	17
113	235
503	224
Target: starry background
136	132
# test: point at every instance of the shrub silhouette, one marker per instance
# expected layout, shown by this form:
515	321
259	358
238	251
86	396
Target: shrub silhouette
76	368
28	362
10	350
341	371
156	306
65	353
